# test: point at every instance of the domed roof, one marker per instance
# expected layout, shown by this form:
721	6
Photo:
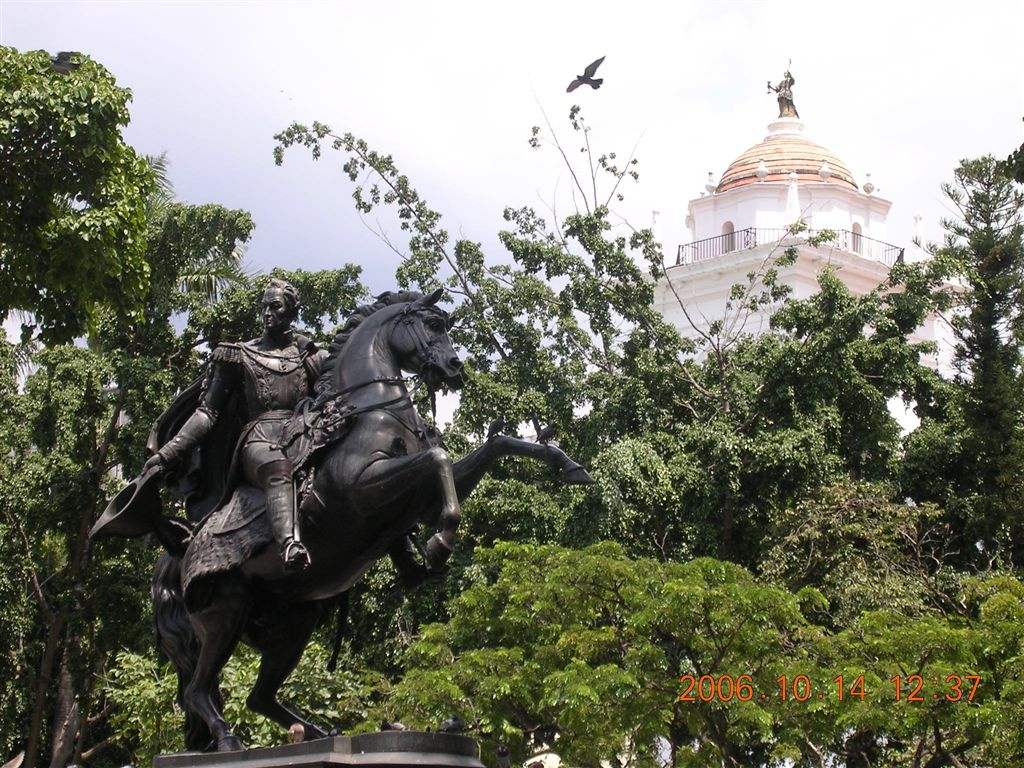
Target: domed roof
784	151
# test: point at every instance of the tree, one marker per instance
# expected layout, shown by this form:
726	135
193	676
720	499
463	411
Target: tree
543	334
600	656
531	346
582	651
977	422
737	438
566	334
81	424
865	553
147	721
72	194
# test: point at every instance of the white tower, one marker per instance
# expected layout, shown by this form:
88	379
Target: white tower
747	218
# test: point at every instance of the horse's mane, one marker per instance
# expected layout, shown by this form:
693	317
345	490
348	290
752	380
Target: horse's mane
325	387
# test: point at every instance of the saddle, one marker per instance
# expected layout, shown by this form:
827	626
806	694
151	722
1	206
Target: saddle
237	528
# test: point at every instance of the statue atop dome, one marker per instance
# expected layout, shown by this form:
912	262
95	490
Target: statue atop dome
785	91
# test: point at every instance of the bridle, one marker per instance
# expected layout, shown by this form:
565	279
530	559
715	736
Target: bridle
425	347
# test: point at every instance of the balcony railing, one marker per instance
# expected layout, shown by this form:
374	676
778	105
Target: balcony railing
751	237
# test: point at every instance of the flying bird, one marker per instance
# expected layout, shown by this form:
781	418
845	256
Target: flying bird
587	78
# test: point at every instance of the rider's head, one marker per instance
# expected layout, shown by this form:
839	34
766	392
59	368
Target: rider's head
280	305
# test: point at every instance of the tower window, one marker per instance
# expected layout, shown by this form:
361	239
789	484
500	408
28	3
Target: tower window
857	241
728	237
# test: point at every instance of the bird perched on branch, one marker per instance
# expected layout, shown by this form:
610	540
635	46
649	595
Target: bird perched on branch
496	428
587	78
62	62
547	434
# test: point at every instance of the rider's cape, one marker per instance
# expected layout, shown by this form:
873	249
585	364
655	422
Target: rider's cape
202	475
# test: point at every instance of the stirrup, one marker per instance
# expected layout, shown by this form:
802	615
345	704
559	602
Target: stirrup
295	555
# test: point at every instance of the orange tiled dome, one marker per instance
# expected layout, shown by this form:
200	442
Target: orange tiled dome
783	153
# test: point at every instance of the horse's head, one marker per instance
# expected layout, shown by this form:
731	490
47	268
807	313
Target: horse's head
422	344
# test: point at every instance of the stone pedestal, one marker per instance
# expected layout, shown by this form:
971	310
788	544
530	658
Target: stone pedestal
387	749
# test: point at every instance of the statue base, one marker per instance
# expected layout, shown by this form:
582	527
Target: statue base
393	749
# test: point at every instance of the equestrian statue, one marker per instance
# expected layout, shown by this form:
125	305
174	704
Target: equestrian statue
300	469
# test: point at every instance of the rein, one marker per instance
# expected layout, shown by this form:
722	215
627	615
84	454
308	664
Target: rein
387	403
377	380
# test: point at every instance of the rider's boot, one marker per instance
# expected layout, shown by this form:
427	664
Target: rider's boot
280	494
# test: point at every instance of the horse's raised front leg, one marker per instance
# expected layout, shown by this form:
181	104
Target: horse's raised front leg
281	642
471	469
390	480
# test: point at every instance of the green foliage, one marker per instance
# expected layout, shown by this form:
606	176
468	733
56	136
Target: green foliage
973	429
777	452
589	646
72	214
946	723
148	722
534	330
80	423
74	612
733	440
865	553
642	485
583	651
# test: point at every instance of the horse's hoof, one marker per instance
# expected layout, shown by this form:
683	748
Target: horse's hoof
437	552
577	476
230	744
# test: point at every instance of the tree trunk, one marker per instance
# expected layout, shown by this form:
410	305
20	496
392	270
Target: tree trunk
42	685
67	719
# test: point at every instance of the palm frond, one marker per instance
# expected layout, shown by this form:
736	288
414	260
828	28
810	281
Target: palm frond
210	276
164	192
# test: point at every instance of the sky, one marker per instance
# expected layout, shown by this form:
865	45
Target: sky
900	90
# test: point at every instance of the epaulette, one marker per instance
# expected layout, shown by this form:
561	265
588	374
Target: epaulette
306	345
226	353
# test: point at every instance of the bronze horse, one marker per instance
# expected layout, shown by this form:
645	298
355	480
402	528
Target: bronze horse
363	494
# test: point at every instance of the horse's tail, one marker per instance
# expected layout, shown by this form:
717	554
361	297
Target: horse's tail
178	641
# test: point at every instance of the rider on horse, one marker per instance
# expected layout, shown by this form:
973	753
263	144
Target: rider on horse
266	378
375	472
